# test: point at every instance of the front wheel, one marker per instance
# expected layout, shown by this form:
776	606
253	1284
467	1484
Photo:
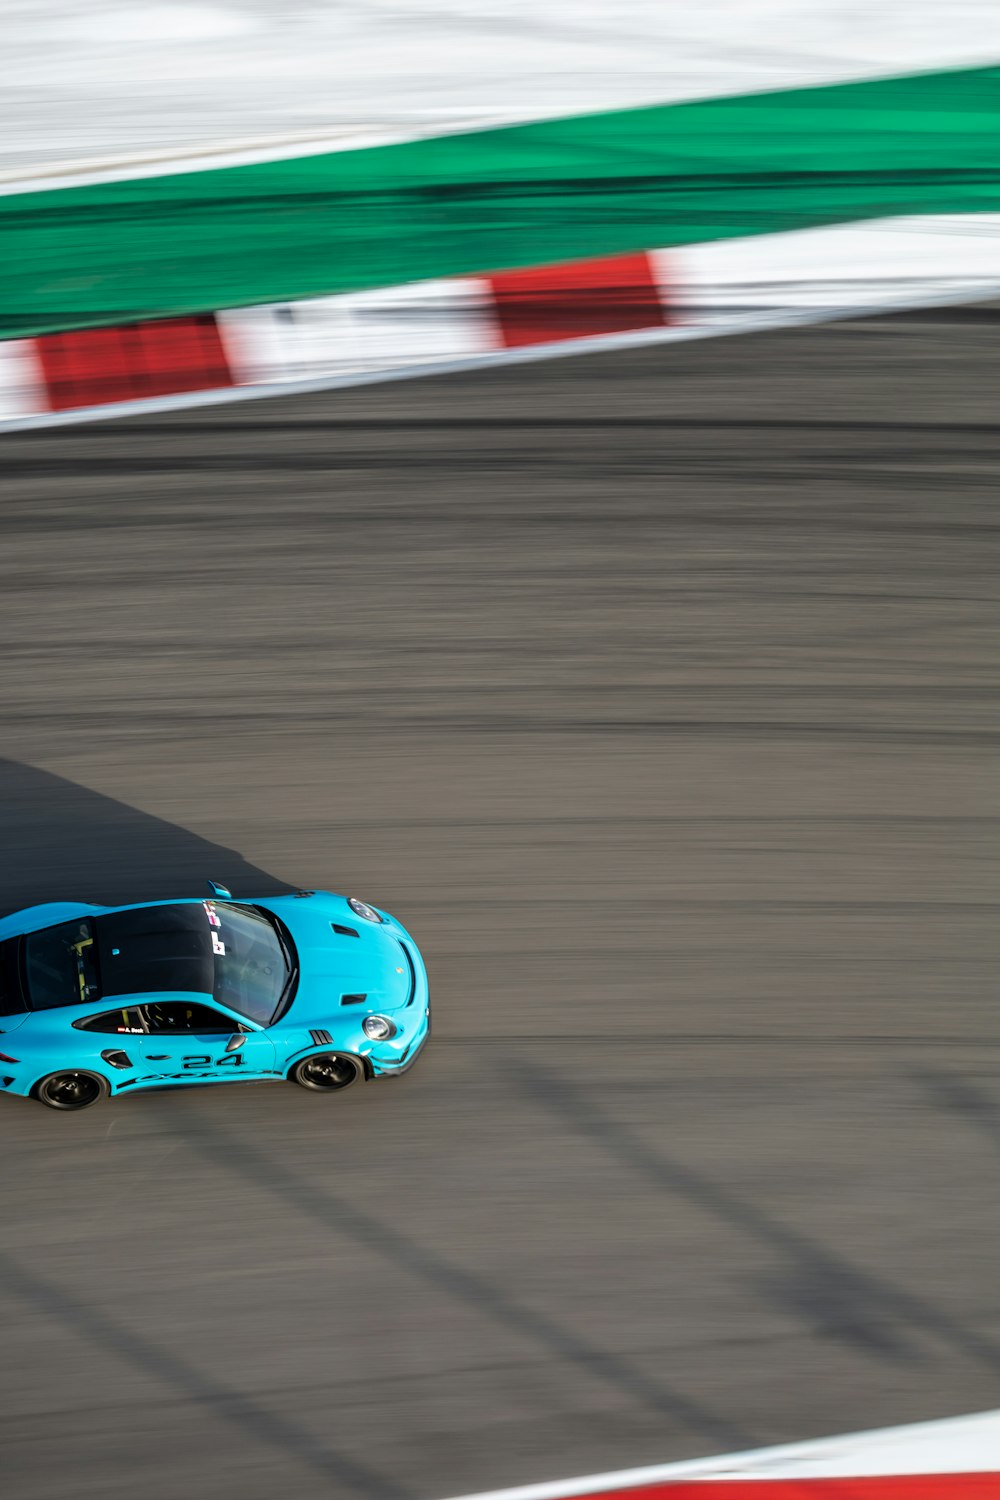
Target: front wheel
327	1072
71	1090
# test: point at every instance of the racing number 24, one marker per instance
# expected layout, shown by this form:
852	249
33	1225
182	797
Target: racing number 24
230	1060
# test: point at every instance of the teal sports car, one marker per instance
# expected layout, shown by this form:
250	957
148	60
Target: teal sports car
319	989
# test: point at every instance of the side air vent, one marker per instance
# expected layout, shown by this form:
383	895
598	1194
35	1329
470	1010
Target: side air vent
321	1038
7	1080
117	1058
413	973
343	931
353	999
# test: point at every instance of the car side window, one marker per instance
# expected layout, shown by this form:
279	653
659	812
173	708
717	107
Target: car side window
122	1022
172	1016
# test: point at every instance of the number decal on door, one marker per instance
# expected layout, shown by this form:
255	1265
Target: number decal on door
229	1060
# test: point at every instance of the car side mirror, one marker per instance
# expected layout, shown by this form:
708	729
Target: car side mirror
220	890
235	1042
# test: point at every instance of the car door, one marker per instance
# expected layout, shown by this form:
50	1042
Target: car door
186	1041
109	1044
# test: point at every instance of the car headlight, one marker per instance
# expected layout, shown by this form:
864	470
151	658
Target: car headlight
378	1028
362	909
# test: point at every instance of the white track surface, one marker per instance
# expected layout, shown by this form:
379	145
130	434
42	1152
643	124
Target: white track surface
93	84
962	1445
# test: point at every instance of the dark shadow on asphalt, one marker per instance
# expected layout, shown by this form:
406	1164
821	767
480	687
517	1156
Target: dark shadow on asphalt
64	842
816	1284
252	1420
281	1183
964	1101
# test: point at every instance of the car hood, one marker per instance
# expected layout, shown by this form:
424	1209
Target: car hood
374	964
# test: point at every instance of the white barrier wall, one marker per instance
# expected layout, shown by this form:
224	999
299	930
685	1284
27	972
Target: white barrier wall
99	81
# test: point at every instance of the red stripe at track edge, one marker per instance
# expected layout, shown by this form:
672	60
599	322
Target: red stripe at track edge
577	299
873	1487
102	366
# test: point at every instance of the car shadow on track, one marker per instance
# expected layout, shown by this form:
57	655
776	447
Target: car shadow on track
64	842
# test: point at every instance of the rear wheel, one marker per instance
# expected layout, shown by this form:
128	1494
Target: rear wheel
327	1072
71	1090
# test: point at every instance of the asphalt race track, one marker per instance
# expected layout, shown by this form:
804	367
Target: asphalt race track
657	692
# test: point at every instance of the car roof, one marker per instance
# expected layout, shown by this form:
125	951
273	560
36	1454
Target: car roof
162	949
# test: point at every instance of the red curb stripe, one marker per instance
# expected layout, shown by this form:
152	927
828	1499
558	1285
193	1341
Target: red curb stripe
545	304
888	1487
97	366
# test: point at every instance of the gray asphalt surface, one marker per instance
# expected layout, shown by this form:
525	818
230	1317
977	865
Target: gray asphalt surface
656	692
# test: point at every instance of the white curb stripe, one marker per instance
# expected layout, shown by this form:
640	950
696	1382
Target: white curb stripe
961	1445
22	385
848	265
392	328
607	343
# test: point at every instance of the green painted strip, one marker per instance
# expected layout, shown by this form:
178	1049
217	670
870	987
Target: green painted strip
589	185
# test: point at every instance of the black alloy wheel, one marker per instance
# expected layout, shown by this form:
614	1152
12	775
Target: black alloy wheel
327	1072
71	1090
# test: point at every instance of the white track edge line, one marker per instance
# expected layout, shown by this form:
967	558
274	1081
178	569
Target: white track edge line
564	348
702	1468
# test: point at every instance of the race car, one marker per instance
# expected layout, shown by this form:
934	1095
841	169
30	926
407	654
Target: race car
319	989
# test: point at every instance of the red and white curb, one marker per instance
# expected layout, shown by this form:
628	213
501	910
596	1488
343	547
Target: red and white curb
957	1459
695	291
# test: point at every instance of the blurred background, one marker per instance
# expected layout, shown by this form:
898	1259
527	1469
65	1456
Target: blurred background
102	80
653	689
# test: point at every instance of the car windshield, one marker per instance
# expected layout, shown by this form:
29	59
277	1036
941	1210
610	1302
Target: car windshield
252	965
61	966
233	953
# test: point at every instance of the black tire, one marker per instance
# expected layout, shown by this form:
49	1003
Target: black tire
327	1072
72	1088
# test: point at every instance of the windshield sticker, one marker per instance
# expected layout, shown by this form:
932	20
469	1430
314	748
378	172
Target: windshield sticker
218	946
214	919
